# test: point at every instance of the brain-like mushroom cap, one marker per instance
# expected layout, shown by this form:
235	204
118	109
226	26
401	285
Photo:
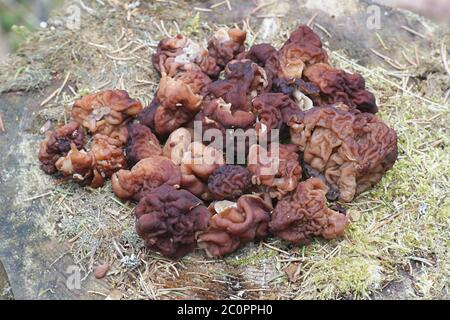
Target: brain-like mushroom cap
244	80
308	45
286	63
234	225
57	145
259	53
94	167
104	111
274	110
304	214
146	175
178	104
142	143
225	45
352	149
217	110
168	219
229	182
179	54
198	163
278	169
339	86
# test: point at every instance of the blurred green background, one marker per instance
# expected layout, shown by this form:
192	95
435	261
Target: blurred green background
18	18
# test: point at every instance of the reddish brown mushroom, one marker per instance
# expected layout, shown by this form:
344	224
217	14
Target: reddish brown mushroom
142	143
243	81
351	149
179	54
104	111
308	46
223	116
304	214
146	175
179	100
147	115
177	144
198	163
229	182
274	110
94	167
278	169
168	219
225	45
339	86
235	224
57	144
258	53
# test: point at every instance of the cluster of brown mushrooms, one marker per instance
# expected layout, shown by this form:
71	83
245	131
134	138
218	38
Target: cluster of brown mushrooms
332	145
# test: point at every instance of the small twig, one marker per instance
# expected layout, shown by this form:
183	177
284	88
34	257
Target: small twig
276	249
202	9
217	5
413	32
388	60
261	6
311	20
408	59
381	41
57	91
2	126
444	57
323	29
123	48
228	5
38	196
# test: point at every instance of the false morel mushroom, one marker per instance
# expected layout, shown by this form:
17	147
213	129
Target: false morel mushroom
304	214
167	220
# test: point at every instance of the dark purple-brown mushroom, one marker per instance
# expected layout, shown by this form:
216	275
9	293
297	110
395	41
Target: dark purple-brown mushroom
142	143
167	219
234	224
339	86
304	214
226	44
229	182
94	167
243	81
57	144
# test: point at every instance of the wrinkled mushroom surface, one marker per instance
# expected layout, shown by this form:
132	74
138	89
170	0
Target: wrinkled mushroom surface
167	219
226	44
234	225
339	86
178	103
229	182
94	167
146	175
351	149
304	214
57	144
198	163
104	111
278	169
243	81
142	143
179	54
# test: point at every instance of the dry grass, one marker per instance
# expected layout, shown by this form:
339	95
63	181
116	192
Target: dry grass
400	229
